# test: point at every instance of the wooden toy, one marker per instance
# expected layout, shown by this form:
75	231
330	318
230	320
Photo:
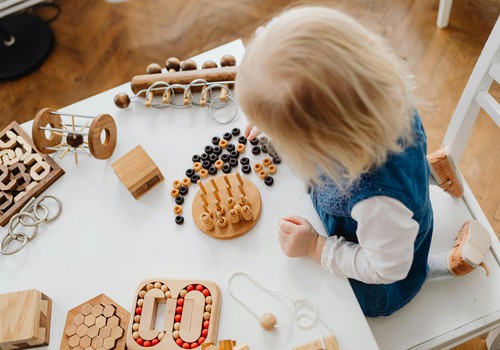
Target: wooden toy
100	323
218	196
137	171
225	345
191	317
330	343
24	173
73	138
24	320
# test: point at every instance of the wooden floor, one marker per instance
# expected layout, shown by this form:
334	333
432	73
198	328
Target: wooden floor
99	46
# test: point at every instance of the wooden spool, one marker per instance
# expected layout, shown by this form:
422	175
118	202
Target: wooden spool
231	230
44	118
102	149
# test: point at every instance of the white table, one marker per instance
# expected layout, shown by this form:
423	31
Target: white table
107	242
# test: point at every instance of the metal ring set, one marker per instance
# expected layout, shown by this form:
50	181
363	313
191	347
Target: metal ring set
31	216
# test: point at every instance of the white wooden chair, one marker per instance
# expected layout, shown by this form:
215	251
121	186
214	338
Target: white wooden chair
450	311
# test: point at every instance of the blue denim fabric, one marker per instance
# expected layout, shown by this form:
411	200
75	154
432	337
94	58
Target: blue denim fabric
405	177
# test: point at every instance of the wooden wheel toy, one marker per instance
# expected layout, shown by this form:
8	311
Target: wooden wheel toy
96	137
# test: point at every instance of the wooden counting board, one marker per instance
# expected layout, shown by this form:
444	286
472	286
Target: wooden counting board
24	320
218	203
24	172
191	315
100	323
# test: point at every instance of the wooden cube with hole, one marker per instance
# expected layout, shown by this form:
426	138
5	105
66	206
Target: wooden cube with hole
24	320
137	172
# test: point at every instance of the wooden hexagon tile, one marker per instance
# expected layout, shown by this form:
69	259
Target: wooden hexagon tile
97	324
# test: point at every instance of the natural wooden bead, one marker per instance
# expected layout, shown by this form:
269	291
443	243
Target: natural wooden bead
208	65
223	144
272	169
137	318
257	167
161	335
203	173
164	288
157	285
262	174
197	166
208	308
176	334
188	65
153	68
135	335
227	61
142	293
140	302
246	212
135	326
168	294
219	164
177	184
178	209
222	222
208	300
149	286
122	100
177	326
243	201
237	207
206	316
174	193
267	162
234	216
186	181
173	64
230	202
268	321
183	293
240	148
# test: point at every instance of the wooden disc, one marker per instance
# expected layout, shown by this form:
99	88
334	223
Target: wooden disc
44	118
102	149
230	231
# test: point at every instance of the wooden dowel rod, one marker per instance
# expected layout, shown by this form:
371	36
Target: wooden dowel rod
203	189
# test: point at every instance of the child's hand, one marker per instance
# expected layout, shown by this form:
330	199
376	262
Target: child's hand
251	131
298	238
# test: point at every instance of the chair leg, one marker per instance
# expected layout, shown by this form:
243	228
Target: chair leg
493	339
444	13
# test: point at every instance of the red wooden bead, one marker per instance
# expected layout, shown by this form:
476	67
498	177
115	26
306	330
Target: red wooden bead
154	342
178	318
186	346
178	310
140	341
138	311
179	341
201	340
206	323
147	344
206	292
199	288
194	345
180	302
190	288
204	332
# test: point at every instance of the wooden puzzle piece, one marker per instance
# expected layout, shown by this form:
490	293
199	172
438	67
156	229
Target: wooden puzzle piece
8	140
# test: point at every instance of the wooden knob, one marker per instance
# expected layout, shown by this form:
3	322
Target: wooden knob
188	65
227	60
268	321
153	68
209	64
173	64
122	100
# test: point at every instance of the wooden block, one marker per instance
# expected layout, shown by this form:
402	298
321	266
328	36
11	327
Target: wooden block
137	171
24	319
151	293
97	323
330	342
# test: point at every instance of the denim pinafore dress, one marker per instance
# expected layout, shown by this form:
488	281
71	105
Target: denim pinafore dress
405	177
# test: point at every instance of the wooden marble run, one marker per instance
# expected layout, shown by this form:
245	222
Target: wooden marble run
190	319
24	172
24	320
96	137
227	206
99	323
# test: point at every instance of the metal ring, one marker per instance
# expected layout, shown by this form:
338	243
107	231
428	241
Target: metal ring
152	88
39	219
196	81
38	203
17	216
7	239
172	87
211	113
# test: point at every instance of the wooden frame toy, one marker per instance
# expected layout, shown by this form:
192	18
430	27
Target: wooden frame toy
99	323
97	137
25	320
137	171
191	314
24	173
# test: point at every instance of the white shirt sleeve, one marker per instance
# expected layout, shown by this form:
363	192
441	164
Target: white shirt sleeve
386	234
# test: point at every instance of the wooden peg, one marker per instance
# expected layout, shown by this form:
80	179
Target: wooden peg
242	191
214	185
202	187
238	176
216	195
204	93
229	192
204	200
227	181
149	100
226	61
217	205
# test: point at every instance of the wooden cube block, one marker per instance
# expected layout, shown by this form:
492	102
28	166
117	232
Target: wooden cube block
24	320
137	172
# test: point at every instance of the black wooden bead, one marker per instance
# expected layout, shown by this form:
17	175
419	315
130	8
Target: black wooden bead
263	149
234	154
227	136
215	140
269	181
195	178
225	157
255	141
246	169
213	157
206	164
179	220
244	161
230	148
183	190
196	158
179	200
276	160
212	170
256	150
242	139
217	150
204	156
233	162
226	168
209	149
235	131
189	172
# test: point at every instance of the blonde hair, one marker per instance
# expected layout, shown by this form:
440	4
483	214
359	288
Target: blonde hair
328	92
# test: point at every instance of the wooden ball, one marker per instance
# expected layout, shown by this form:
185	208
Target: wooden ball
173	64
122	100
268	321
153	68
209	64
188	65
227	60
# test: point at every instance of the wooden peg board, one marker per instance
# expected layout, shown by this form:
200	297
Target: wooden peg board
330	342
31	171
231	230
99	323
191	314
24	320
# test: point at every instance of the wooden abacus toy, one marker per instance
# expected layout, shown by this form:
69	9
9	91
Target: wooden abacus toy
24	173
73	138
227	208
100	323
191	314
184	78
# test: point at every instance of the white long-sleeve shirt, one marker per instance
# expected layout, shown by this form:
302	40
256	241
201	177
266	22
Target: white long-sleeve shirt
386	234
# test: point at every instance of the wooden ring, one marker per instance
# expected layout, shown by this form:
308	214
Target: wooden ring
267	162
43	118
240	148
219	164
186	181
203	173
271	169
257	167
177	184
197	166
178	209
223	143
262	174
102	149
174	193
